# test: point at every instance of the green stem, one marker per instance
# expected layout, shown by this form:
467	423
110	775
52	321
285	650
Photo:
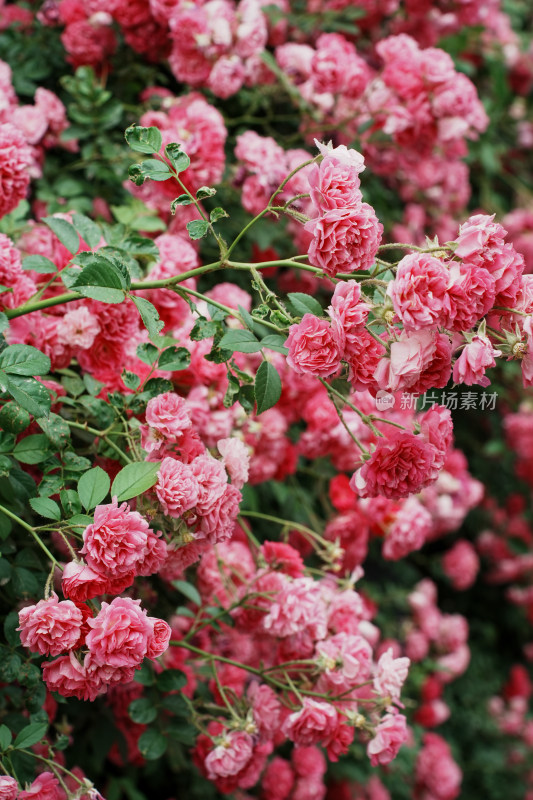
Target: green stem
29	528
101	435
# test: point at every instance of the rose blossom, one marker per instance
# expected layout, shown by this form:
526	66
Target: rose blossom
461	564
44	787
120	633
78	328
315	347
391	733
51	626
177	488
298	606
69	678
158	643
314	723
334	185
345	661
348	311
230	756
476	357
408	531
390	674
402	464
117	541
419	291
344	240
15	158
8	788
236	459
79	582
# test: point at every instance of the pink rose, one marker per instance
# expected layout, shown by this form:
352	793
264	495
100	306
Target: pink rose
408	531
461	564
80	582
477	356
15	158
314	723
230	756
117	540
436	773
390	674
217	521
158	643
315	347
345	662
344	240
391	733
419	291
69	678
236	459
177	488
409	357
402	464
51	626
8	788
349	312
120	633
44	787
334	185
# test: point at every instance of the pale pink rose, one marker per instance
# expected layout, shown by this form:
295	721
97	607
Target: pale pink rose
344	660
79	582
402	464
117	542
167	414
314	723
69	678
230	295
212	481
436	773
419	291
266	709
390	674
227	76
333	184
229	757
315	346
477	356
31	121
409	357
236	459
461	564
336	67
297	607
78	328
44	787
120	633
50	627
177	488
478	232
15	158
436	427
472	293
349	312
408	531
344	240
391	733
8	788
158	642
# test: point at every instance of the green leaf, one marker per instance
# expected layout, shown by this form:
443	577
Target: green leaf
39	264
13	418
24	583
30	735
147	353
304	303
70	501
203	329
32	449
143	140
134	479
130	379
30	394
89	231
65	232
142	711
22	359
240	341
45	507
4	322
267	387
151	168
93	487
56	429
145	675
190	591
152	744
179	160
102	280
11	633
197	228
5	737
174	359
182	200
182	732
275	342
205	191
217	213
171	680
150	316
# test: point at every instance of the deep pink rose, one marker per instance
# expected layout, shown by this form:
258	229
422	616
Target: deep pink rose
315	347
120	633
314	723
344	240
79	582
50	627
